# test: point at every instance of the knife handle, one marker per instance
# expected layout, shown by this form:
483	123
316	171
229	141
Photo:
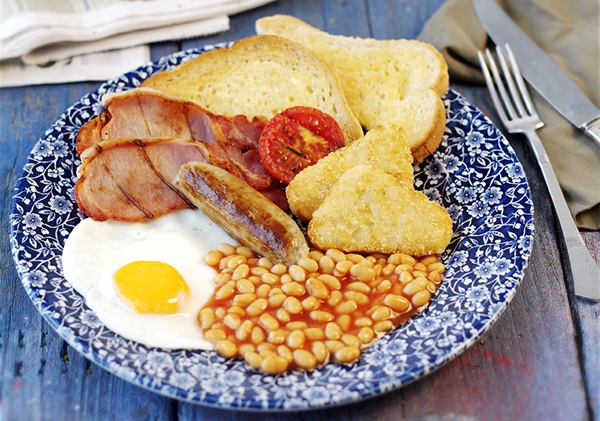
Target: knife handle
584	270
592	129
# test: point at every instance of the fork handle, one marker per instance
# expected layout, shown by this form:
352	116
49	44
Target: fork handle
585	272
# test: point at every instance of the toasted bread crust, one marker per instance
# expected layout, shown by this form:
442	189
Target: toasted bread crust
260	75
378	76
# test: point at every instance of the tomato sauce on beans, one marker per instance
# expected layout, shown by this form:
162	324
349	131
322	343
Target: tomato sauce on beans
327	307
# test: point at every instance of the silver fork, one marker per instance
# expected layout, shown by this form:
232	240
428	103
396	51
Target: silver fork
524	119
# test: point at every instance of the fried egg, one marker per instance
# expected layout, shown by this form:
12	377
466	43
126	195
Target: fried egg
146	281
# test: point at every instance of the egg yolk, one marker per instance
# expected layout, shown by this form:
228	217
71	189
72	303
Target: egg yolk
151	287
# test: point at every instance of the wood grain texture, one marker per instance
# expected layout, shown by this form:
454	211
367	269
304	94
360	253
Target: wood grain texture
539	361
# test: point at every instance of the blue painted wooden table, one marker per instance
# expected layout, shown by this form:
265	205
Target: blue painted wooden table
541	360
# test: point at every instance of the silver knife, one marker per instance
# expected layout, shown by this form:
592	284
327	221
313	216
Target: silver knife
539	69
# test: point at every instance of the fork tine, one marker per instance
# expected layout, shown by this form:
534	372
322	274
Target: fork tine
509	76
519	79
498	80
491	87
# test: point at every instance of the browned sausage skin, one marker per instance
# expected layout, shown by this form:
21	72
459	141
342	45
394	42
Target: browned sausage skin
244	212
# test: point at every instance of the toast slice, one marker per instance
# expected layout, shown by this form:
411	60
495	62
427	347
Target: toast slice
399	80
369	211
384	147
260	75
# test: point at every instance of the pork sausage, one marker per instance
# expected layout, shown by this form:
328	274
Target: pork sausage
246	214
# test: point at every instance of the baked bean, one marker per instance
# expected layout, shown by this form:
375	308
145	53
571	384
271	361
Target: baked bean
351	340
244	330
398	303
320	351
366	335
311	303
343	267
297	273
275	301
296	325
314	333
335	297
347	354
421	298
383	326
263	291
213	258
308	264
436	267
244	286
355	258
237	260
435	277
243	300
224	292
384	286
346	307
244	348
331	281
279	269
215	335
381	313
360	298
274	364
236	310
206	317
268	322
253	358
257	307
321	316
283	315
304	359
292	305
226	348
335	255
277	336
226	249
232	321
326	264
295	339
333	331
293	288
259	270
257	336
263	262
317	289
326	307
415	286
334	345
344	321
286	353
222	278
363	321
269	278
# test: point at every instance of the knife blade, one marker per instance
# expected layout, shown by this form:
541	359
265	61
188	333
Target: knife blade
545	76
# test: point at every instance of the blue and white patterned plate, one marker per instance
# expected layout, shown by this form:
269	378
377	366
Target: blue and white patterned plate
474	174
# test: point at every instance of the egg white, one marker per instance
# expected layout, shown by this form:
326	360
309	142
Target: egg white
95	250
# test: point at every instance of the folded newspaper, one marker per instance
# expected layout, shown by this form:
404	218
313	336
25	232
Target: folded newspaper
43	33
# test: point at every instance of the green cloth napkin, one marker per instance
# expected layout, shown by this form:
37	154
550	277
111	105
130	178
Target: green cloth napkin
569	32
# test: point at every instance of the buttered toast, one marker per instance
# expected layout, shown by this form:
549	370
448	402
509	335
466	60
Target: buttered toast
260	75
384	147
368	210
398	80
